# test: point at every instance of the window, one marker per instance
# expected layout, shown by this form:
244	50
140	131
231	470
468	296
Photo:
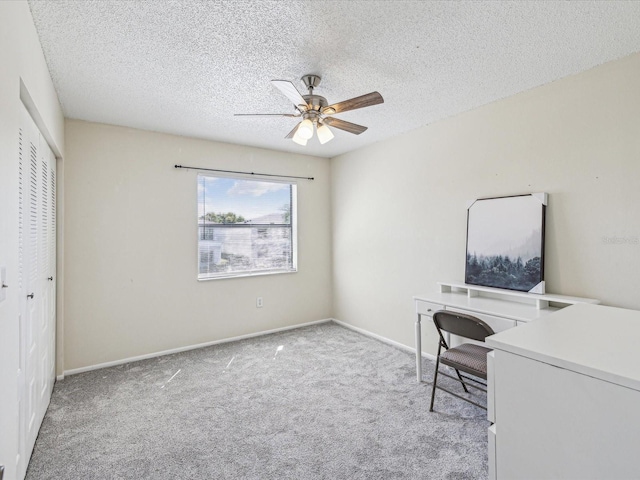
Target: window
245	227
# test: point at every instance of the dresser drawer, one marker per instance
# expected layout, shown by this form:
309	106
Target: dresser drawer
427	308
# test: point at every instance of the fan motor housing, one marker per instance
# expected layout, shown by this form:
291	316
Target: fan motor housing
315	102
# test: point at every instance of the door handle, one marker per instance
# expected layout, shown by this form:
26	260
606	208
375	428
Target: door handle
29	296
50	279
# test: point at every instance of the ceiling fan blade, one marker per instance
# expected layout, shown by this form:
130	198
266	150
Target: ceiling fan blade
346	126
373	98
290	91
265	115
293	132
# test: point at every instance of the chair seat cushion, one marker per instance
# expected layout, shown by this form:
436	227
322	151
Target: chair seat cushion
469	355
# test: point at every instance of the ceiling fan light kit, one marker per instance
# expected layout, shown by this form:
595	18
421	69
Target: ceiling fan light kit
305	129
324	134
316	111
299	140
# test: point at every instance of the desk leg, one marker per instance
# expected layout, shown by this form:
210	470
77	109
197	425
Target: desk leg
418	349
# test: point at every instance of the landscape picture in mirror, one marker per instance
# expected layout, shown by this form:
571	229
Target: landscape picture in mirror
505	242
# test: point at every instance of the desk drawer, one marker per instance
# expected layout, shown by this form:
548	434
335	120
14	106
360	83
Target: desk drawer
427	308
497	323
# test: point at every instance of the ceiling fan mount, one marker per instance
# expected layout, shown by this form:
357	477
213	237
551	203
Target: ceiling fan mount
311	81
316	111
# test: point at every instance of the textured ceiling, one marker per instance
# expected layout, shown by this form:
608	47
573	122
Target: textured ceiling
185	67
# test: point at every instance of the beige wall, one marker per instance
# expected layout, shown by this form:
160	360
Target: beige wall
21	60
131	246
399	206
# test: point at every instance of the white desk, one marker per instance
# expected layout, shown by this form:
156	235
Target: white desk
501	309
566	395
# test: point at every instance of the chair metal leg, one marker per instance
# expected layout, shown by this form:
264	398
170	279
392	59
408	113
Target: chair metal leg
470	385
461	381
462	398
435	379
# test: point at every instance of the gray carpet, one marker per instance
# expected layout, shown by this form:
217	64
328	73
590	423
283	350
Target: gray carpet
320	402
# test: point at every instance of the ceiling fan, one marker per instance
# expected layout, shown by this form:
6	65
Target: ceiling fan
316	112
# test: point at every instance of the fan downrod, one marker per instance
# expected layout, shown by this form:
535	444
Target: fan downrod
311	81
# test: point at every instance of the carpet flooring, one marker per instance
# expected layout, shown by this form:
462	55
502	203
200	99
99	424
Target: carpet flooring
318	402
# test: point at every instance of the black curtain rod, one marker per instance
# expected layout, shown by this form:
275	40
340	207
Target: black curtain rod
244	173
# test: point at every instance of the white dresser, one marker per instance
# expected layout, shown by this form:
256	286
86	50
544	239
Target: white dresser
566	396
501	309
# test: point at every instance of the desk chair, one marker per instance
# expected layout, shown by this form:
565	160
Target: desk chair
468	357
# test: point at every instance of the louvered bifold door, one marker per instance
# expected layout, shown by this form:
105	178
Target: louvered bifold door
32	310
36	177
46	277
51	278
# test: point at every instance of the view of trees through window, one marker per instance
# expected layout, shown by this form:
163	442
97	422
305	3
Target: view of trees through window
245	227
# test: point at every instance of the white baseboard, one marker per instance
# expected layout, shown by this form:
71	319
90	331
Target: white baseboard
184	349
399	345
60	377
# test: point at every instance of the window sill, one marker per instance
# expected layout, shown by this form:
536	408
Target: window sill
244	274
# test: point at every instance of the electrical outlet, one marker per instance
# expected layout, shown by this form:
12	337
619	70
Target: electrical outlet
259	302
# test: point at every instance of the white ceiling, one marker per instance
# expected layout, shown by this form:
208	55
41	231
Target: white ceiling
185	67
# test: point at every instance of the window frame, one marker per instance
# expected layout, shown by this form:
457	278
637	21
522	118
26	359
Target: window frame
293	228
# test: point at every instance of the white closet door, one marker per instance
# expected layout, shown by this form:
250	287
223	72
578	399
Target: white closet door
51	278
29	276
46	278
43	268
36	163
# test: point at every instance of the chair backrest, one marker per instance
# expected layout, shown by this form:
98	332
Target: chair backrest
462	325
